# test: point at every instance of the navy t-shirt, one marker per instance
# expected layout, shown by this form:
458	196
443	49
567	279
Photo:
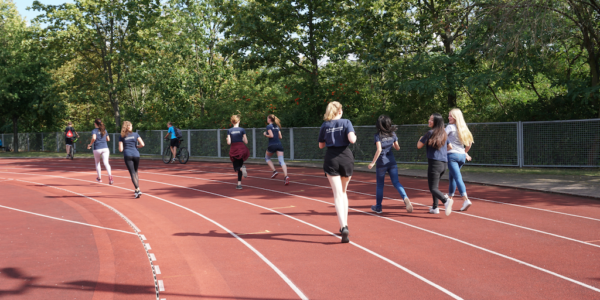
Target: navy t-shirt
100	142
334	133
237	134
386	158
130	145
432	153
275	130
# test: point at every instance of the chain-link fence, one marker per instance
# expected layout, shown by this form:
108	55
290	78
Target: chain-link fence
526	144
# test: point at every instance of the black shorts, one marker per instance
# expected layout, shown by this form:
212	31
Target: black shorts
69	141
339	161
174	142
275	148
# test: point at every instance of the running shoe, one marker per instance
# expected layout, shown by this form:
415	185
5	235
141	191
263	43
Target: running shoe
342	229
448	205
466	205
287	180
274	174
110	180
374	208
138	194
434	211
239	187
345	233
244	172
409	207
98	179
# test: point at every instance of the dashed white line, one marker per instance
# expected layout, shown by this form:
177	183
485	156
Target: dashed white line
143	237
147	246
152	257
156	269
161	286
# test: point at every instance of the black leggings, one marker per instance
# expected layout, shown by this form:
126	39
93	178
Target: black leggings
435	170
132	163
237	166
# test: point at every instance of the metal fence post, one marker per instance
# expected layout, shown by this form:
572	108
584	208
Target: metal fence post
218	142
189	143
291	143
114	142
57	146
43	147
27	142
253	142
520	151
161	143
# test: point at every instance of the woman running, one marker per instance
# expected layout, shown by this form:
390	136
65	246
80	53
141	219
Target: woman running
436	142
336	134
129	142
385	139
274	134
238	153
460	139
101	152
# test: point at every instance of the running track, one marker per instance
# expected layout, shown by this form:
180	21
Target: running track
192	235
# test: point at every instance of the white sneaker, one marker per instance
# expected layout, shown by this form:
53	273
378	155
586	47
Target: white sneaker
244	172
448	205
409	207
466	205
434	211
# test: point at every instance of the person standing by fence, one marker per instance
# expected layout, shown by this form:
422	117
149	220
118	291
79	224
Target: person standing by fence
174	139
238	152
436	146
385	139
69	133
336	134
274	134
129	142
460	139
101	152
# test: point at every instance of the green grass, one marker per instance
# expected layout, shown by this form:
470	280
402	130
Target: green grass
465	169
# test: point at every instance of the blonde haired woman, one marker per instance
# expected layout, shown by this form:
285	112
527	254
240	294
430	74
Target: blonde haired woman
238	153
336	134
460	139
129	142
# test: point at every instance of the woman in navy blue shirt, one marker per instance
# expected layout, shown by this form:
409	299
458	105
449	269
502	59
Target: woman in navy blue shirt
238	153
99	143
336	134
274	134
129	142
436	146
385	139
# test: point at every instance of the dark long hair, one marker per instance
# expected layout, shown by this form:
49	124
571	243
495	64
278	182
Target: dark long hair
438	135
384	127
101	127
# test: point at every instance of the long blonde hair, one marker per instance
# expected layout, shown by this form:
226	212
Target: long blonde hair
464	134
275	120
125	129
333	108
235	119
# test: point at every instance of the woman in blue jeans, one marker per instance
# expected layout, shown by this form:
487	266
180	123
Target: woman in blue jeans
385	139
460	139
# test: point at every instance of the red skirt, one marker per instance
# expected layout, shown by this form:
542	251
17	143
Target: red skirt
239	151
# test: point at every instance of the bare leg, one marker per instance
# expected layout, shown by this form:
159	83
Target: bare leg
269	162
340	198
284	167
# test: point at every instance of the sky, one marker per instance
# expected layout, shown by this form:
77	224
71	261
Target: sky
30	14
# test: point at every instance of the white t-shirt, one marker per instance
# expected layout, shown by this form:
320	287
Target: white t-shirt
457	146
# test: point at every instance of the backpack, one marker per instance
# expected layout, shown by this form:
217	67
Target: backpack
178	133
69	133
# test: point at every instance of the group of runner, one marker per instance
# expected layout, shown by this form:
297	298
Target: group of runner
446	148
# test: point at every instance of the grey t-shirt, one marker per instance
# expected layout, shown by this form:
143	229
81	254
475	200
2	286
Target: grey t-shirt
100	142
457	145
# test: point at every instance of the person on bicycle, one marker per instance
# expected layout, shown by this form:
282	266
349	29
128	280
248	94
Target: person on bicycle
174	140
69	133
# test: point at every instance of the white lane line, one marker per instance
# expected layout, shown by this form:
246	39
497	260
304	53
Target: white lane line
161	286
387	218
102	203
143	237
147	246
260	255
157	269
152	256
65	220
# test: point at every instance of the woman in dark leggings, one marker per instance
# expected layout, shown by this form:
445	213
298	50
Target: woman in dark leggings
129	142
436	143
238	153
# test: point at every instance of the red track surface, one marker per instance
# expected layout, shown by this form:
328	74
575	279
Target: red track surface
281	243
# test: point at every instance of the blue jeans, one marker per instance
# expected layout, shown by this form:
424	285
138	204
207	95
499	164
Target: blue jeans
393	171
455	162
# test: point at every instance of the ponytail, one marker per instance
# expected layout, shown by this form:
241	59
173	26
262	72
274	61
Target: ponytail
275	120
101	127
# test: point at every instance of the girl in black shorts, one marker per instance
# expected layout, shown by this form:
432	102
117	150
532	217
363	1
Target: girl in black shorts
274	134
238	153
336	134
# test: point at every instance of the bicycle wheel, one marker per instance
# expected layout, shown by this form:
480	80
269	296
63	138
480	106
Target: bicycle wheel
184	156
167	155
72	151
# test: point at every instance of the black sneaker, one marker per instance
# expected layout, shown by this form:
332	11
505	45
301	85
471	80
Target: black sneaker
274	174
239	187
375	209
345	234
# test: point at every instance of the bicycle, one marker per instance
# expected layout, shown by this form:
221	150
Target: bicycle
182	153
72	151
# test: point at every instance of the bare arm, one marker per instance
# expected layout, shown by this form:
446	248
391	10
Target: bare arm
140	142
120	146
467	156
420	144
245	139
449	147
89	146
321	145
228	140
269	134
396	146
352	137
377	153
280	136
107	137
